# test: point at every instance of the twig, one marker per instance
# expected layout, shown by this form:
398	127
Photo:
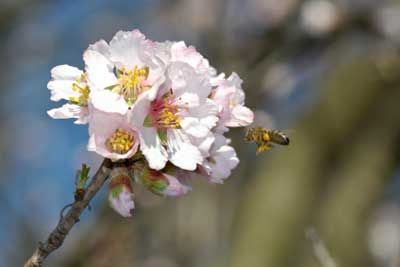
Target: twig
320	250
57	236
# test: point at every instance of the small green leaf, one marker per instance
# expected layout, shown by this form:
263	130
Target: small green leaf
82	177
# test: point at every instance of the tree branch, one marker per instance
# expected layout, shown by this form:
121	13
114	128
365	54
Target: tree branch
57	236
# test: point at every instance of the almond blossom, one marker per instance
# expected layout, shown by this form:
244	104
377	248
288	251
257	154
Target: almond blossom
221	161
230	96
157	108
69	83
123	71
180	111
111	134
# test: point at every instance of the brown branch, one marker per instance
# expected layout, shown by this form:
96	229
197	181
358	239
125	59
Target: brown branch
57	236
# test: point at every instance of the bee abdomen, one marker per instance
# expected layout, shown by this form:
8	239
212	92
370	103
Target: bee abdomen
279	138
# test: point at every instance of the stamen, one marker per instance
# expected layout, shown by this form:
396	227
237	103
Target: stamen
168	114
132	83
120	142
168	118
82	89
164	113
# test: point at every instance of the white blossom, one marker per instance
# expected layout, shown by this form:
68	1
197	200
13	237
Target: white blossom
221	161
230	97
158	105
180	111
69	83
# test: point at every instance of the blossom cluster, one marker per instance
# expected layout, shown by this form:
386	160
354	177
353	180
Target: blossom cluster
160	103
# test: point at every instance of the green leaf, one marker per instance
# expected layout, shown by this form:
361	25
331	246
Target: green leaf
82	177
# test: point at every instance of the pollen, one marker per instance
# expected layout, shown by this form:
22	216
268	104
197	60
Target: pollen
168	113
169	118
81	88
120	142
266	137
132	83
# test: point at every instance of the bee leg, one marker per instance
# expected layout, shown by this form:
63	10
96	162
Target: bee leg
263	148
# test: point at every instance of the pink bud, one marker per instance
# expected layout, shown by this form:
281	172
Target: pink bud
120	193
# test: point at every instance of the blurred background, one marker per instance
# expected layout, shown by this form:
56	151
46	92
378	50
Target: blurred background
326	72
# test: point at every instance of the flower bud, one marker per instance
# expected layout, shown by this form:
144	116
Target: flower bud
157	182
120	193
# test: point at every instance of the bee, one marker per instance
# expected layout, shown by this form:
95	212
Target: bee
265	137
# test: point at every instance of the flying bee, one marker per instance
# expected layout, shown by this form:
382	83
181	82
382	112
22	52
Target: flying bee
264	138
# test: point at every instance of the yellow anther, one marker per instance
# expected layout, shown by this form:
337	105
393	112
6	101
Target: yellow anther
80	87
121	141
169	118
132	83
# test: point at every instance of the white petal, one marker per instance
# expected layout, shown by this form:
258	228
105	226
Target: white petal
152	149
185	79
67	111
65	72
61	89
140	111
241	116
204	144
151	94
108	101
181	152
101	47
125	48
187	100
199	120
189	55
99	70
63	77
225	160
84	116
193	127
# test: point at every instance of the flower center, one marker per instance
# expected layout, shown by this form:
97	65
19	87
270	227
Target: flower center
80	87
132	83
168	117
120	142
164	113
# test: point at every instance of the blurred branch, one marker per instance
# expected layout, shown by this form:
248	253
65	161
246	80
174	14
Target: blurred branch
66	222
320	250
